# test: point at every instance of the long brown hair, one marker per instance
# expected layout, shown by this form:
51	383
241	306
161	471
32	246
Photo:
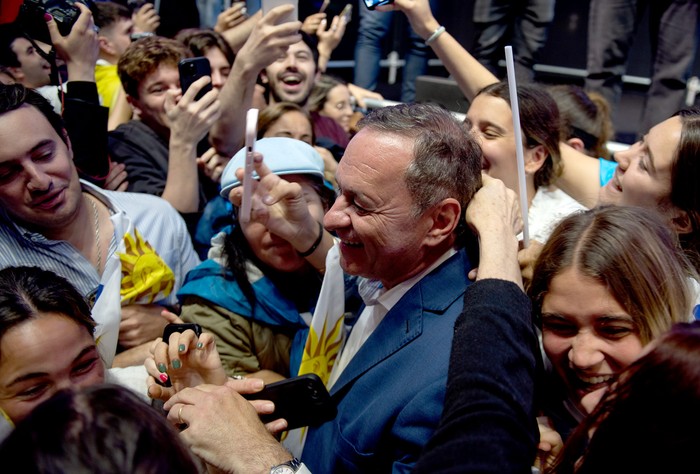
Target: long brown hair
685	172
633	253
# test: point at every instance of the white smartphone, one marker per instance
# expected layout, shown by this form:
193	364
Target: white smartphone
251	130
268	5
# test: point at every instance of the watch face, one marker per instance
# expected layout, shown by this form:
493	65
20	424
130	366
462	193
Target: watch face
283	469
289	467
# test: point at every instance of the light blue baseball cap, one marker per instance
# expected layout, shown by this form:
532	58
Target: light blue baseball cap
282	155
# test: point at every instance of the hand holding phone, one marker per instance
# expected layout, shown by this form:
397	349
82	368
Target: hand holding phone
302	401
192	69
171	329
251	126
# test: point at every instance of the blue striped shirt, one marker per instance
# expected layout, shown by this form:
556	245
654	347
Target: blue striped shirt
158	222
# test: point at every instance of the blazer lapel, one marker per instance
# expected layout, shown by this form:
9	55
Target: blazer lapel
404	323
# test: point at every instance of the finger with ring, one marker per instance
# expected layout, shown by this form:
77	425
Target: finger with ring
179	415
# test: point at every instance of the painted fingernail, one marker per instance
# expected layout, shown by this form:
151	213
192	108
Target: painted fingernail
163	377
47	17
181	348
176	364
199	345
162	368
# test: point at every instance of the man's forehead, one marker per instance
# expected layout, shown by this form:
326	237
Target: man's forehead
13	123
300	46
163	73
20	45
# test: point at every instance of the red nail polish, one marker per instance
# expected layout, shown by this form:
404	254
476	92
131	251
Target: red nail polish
163	377
47	17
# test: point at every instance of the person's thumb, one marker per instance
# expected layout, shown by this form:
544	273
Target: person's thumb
171	317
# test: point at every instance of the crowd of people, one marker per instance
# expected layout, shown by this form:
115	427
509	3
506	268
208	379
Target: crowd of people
383	252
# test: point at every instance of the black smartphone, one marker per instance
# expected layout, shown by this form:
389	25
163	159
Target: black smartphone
192	69
302	401
173	328
371	4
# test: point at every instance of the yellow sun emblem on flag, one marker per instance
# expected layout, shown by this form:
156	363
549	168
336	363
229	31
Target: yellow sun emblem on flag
320	353
145	276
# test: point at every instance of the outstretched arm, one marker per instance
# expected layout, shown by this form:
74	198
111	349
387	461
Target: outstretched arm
267	42
470	75
580	177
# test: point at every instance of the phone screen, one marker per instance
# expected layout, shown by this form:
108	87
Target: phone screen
375	3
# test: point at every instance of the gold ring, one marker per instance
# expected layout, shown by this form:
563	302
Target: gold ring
179	415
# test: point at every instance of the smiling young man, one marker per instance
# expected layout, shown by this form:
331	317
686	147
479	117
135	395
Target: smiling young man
126	253
161	145
286	62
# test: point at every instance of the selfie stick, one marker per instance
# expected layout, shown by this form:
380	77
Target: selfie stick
513	90
251	130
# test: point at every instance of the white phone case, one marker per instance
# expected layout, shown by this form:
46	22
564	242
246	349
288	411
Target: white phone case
251	130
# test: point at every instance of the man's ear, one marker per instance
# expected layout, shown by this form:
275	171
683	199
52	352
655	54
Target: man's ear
535	158
17	73
105	45
680	221
576	144
134	103
444	219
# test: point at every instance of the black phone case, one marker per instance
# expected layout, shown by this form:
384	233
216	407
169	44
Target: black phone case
302	401
190	70
173	327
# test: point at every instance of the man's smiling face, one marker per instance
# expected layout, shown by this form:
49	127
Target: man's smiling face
292	77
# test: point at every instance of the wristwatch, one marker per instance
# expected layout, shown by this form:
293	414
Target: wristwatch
289	467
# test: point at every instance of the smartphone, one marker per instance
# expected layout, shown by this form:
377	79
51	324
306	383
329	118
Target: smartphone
302	401
251	132
173	328
268	5
371	4
192	69
347	13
